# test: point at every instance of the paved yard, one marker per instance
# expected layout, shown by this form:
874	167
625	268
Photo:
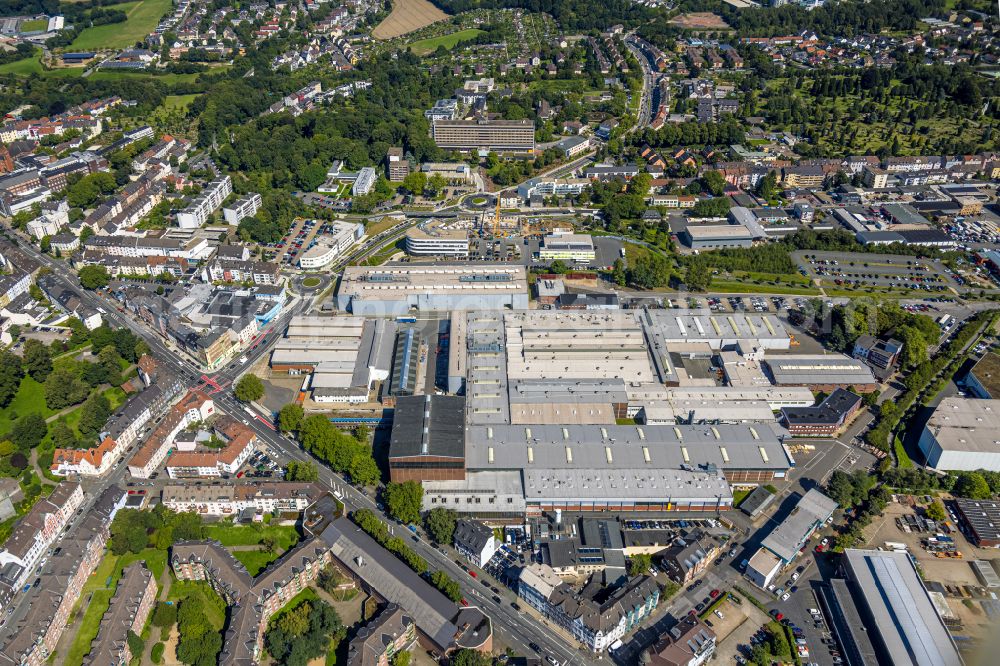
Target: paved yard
732	634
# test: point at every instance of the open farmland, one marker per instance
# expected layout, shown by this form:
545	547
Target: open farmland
142	19
407	16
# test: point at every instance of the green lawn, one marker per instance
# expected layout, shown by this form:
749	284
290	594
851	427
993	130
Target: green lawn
449	41
311	282
251	535
97	593
733	287
142	19
32	65
255	560
29	398
739	496
34	25
178	102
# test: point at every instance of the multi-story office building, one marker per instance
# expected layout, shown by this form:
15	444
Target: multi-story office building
397	167
501	136
433	238
577	248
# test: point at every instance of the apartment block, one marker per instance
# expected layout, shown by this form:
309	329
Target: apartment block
206	203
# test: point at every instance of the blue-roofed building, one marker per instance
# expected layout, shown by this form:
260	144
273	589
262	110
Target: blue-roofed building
77	58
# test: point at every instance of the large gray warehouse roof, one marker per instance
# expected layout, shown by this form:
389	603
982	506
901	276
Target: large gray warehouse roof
818	369
591	447
904	615
428	425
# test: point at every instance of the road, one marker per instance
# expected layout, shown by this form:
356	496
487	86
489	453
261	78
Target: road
646	103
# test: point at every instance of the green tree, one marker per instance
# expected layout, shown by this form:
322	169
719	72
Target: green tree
290	417
935	511
364	470
135	643
301	471
63	388
446	585
29	430
714	182
94	414
94	277
199	644
295	622
558	267
970	485
639	564
415	182
402	658
436	184
403	501
440	523
640	183
63	436
618	272
37	360
165	615
249	388
11	372
467	657
698	277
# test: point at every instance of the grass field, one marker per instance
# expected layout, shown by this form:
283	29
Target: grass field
407	16
34	25
735	287
251	535
311	282
30	398
178	102
427	46
32	65
255	560
99	589
142	19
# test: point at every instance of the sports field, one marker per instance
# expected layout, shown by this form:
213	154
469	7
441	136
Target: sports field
427	46
143	16
407	16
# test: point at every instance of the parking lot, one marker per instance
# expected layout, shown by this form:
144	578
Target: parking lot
860	270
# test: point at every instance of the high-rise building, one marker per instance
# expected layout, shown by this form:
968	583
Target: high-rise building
397	167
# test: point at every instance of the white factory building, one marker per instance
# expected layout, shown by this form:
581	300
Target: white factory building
963	434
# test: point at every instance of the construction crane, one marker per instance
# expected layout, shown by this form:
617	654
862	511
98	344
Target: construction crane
496	219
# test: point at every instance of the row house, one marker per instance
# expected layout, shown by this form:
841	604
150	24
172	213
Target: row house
127	612
260	497
595	624
36	531
32	642
229	270
193	407
120	432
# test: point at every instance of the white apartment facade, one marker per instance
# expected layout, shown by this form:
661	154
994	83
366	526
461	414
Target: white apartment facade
196	214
